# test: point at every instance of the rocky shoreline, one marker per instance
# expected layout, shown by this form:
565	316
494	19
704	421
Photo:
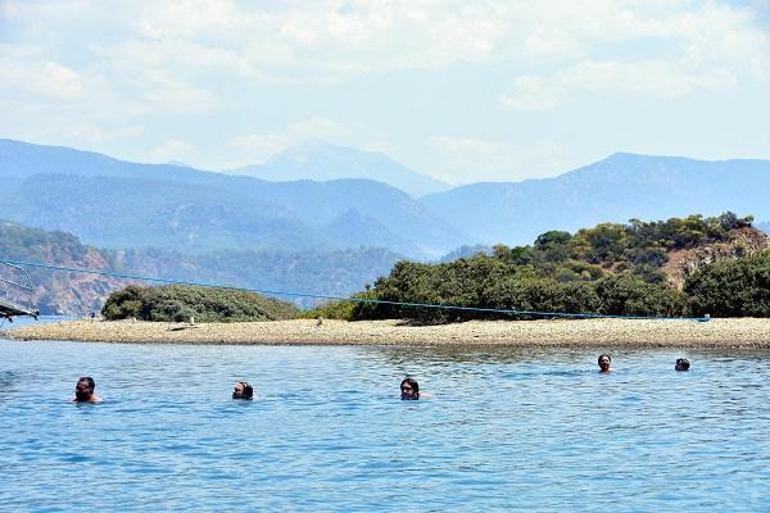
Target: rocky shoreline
716	333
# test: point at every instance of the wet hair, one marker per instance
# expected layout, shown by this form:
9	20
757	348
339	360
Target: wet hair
89	381
248	391
412	383
599	360
682	363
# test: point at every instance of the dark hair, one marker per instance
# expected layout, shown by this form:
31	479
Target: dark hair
412	383
248	391
683	363
599	360
89	380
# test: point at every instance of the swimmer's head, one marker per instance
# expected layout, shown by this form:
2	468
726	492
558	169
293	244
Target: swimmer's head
242	390
410	390
604	362
682	364
84	389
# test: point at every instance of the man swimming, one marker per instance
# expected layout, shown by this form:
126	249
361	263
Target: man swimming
243	390
682	364
410	390
84	391
605	363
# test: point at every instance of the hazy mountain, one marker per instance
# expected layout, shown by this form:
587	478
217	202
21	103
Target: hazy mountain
119	204
355	229
618	188
117	212
323	202
318	160
338	273
177	163
22	159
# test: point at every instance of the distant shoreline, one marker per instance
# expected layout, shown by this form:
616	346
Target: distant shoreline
747	333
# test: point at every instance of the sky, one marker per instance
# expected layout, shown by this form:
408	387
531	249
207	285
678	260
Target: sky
461	91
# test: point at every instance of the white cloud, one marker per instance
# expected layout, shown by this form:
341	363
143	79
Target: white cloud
47	78
185	17
473	156
94	133
317	127
533	92
9	9
653	79
471	159
112	64
171	149
663	50
257	148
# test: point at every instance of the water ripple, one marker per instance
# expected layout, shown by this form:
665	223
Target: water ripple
534	430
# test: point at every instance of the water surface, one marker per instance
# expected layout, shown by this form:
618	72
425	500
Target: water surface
529	430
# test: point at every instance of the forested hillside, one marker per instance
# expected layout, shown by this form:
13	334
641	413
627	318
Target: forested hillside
337	273
661	268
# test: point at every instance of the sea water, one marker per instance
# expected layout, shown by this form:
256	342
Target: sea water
506	429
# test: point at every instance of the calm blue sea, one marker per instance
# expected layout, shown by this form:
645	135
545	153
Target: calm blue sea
521	430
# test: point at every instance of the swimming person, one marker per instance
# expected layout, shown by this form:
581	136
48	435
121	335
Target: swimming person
84	391
605	362
410	390
243	390
682	364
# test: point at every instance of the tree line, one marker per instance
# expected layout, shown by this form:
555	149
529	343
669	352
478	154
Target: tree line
611	269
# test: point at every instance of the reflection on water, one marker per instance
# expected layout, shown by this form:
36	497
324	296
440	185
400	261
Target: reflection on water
528	429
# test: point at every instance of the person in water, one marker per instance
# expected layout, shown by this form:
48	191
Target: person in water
605	363
410	390
243	390
682	364
84	391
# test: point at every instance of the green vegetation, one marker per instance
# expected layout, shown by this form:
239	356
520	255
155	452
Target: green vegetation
612	269
337	273
343	310
178	303
731	288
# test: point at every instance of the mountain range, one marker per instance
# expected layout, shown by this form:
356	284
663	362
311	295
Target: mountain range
117	204
616	189
329	237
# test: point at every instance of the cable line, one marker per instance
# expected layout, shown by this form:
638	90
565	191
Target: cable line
436	306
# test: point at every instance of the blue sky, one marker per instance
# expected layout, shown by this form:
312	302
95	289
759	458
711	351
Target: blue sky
462	91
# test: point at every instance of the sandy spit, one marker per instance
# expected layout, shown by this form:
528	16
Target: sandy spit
717	333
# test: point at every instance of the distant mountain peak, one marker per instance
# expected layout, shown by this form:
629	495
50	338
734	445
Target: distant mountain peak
317	159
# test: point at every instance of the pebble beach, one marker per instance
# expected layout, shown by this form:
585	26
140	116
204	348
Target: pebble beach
716	333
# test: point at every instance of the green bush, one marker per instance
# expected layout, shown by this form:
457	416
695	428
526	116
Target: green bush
342	310
178	303
627	294
731	288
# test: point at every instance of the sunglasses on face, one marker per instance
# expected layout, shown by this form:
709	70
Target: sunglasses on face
406	389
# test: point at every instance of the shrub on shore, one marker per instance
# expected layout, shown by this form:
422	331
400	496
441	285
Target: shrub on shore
731	288
343	310
178	303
